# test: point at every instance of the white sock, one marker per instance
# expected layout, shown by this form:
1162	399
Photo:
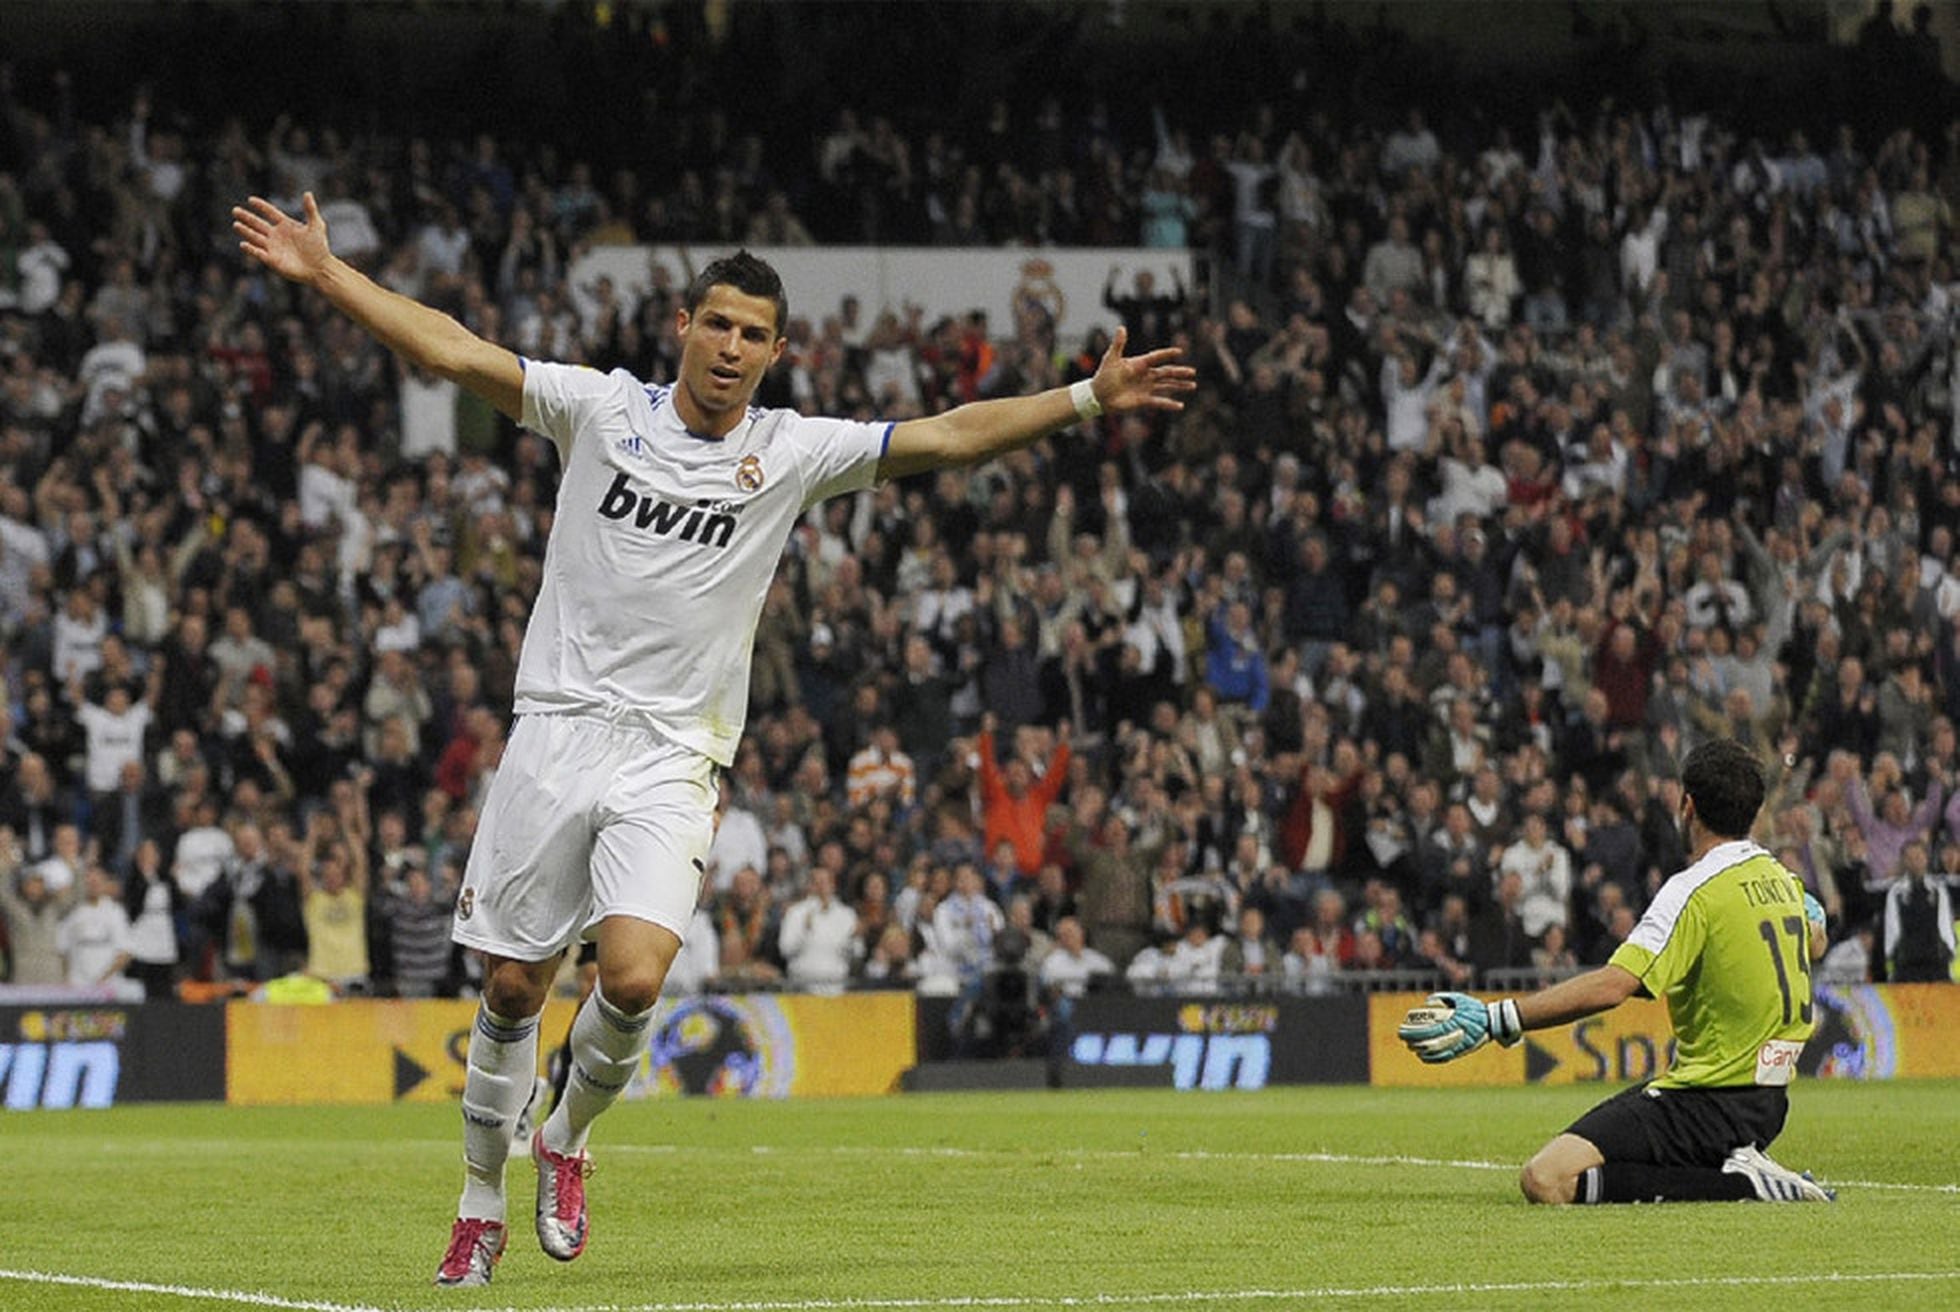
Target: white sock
503	1067
606	1045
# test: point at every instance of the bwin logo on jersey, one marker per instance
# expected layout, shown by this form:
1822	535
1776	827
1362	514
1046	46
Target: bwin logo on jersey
702	523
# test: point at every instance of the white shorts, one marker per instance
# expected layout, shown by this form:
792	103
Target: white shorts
587	818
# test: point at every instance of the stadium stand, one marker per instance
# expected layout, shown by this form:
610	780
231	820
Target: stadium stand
1533	447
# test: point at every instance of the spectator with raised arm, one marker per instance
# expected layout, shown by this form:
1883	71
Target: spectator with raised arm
152	903
1235	661
333	886
33	915
1895	820
1014	802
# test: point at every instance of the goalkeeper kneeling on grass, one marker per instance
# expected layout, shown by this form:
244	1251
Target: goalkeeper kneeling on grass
1728	943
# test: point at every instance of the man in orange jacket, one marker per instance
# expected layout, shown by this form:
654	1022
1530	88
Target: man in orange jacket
1014	804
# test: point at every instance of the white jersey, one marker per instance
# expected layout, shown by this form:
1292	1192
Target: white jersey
663	548
91	937
113	741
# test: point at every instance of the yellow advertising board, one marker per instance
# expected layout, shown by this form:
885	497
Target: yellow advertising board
359	1051
1885	1031
768	1045
1871	1031
372	1051
1634	1041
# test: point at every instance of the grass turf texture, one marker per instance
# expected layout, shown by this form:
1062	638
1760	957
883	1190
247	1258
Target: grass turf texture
1115	1199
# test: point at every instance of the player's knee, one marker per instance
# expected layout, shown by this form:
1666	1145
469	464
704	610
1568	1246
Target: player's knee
632	989
1543	1183
511	990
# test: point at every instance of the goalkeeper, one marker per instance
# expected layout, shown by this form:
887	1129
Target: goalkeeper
1728	943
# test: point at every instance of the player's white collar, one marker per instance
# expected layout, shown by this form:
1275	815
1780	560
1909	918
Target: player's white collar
734	434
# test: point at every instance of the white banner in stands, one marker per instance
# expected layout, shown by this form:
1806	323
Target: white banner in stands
940	280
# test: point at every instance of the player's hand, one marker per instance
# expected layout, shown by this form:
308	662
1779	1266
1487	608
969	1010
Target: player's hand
1468	1025
280	242
1144	382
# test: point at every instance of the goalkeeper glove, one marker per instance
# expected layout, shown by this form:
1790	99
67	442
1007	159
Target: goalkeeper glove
1469	1025
1813	910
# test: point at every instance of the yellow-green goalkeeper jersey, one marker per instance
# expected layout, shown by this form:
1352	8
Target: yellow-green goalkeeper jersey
1726	944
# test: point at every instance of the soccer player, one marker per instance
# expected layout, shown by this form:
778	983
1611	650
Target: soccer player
673	507
1728	942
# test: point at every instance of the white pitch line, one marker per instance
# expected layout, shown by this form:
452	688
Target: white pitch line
1889	1184
1012	1301
1015	1301
1111	1154
244	1296
1211	1296
1128	1154
1080	1154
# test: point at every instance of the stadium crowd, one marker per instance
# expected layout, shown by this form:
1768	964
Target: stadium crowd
1520	465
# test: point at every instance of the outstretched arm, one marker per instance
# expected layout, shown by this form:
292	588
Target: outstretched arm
1056	776
1927	814
1859	803
980	430
1576	998
1452	1025
426	338
990	783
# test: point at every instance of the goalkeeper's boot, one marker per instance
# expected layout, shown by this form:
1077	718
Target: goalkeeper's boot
474	1247
1773	1183
561	1199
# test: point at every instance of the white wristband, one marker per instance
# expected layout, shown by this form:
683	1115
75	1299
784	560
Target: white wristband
1505	1026
1083	397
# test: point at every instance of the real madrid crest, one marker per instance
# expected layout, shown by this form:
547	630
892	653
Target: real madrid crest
748	474
466	904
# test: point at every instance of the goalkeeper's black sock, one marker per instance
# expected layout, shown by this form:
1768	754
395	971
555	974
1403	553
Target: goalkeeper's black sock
1637	1182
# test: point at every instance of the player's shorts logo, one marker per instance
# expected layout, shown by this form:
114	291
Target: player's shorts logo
466	904
748	474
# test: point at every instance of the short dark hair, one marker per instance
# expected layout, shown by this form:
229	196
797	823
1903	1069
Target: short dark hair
1726	782
746	273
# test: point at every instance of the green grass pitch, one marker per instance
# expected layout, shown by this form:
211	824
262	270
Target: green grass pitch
1312	1198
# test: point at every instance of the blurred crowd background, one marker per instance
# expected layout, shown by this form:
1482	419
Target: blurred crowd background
1548	424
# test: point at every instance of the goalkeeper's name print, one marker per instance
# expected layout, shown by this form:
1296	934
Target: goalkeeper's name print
705	523
1770	892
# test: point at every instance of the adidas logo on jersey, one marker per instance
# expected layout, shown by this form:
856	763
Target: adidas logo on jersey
705	523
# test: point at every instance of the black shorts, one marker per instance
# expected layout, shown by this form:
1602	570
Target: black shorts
1682	1127
588	952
